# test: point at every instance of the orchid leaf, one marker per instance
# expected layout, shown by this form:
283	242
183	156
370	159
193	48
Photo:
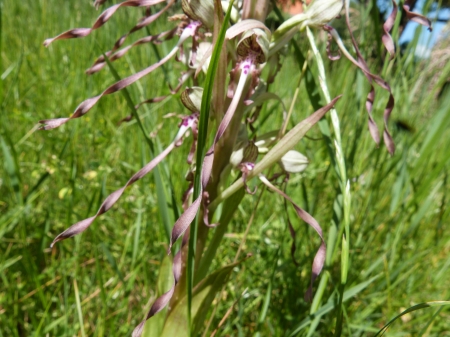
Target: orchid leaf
202	296
153	327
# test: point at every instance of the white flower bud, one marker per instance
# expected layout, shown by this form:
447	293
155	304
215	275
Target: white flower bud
294	162
320	12
244	152
192	98
238	153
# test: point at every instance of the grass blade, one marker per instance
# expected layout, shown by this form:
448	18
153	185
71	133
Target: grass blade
331	304
411	309
80	313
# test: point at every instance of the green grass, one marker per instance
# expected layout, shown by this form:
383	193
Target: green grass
107	277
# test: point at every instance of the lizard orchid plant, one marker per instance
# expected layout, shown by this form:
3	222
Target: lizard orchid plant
225	46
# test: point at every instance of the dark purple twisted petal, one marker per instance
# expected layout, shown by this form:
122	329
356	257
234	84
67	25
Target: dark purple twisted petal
126	119
416	17
161	302
112	198
113	56
142	23
150	19
361	63
87	105
386	135
49	124
373	128
101	20
151	100
184	221
319	258
387	26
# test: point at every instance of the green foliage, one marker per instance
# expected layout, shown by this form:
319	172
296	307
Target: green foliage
48	180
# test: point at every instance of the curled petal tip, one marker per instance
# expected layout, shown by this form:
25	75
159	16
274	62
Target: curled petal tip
47	42
48	124
137	332
55	240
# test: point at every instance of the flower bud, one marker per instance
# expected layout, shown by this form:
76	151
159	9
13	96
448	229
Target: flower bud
250	153
244	152
256	42
320	12
294	162
199	10
192	98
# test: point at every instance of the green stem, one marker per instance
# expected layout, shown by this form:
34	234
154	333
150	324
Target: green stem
343	182
201	150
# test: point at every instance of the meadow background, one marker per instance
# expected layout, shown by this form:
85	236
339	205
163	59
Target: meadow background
102	282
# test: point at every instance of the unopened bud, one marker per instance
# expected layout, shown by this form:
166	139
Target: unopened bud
256	42
244	152
199	10
192	98
294	162
250	153
320	12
